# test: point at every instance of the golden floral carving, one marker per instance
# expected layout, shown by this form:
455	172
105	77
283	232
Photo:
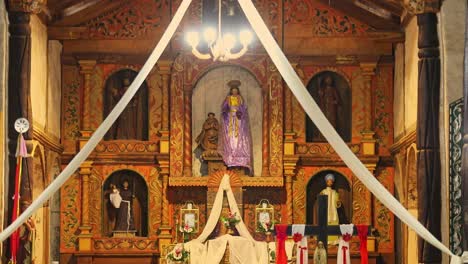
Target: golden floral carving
276	122
299	197
361	203
69	218
177	118
155	198
95	203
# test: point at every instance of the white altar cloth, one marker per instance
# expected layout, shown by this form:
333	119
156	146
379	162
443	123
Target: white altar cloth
241	250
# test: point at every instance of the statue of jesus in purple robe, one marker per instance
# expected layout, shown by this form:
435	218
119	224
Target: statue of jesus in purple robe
235	139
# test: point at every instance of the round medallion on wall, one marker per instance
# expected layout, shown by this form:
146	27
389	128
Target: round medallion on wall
21	125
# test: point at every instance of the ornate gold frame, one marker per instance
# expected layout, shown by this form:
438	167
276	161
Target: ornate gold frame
190	209
264	206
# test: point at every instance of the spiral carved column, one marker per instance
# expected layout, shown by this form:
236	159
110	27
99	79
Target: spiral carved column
265	135
187	131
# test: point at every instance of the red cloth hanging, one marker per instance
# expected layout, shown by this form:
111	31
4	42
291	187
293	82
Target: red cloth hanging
281	257
362	233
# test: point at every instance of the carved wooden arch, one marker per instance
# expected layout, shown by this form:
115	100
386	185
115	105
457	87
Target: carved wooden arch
307	79
214	180
39	176
347	176
186	70
411	177
399	179
214	66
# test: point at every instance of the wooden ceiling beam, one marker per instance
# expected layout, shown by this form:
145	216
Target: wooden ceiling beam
84	11
350	8
394	8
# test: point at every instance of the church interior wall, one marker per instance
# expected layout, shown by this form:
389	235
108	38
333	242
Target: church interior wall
39	67
451	35
411	74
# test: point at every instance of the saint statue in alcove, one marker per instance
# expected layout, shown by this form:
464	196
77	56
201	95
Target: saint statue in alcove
125	205
329	99
235	139
332	93
133	121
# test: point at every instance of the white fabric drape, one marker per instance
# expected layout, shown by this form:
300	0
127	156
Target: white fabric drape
319	119
115	199
302	252
340	258
104	127
243	249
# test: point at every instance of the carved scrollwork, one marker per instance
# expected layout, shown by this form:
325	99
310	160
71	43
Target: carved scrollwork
322	149
27	6
126	147
126	243
132	20
324	21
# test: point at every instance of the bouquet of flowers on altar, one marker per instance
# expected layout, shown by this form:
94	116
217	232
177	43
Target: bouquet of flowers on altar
178	254
265	226
186	229
231	220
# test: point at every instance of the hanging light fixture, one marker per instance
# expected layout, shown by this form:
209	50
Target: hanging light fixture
220	45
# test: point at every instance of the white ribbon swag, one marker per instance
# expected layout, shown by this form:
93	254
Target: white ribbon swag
243	249
297	88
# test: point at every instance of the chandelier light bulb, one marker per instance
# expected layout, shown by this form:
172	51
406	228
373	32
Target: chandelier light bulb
210	35
245	37
229	41
192	38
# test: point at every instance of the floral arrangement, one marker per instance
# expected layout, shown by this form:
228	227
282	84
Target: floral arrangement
178	254
231	220
186	229
265	227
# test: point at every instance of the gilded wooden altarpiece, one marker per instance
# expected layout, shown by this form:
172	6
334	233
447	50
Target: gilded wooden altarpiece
323	24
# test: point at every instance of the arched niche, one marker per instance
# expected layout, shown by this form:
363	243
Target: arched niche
332	93
132	124
317	184
208	95
139	188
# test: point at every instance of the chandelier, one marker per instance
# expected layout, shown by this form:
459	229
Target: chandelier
220	45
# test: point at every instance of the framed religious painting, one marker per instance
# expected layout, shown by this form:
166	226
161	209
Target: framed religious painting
189	216
264	216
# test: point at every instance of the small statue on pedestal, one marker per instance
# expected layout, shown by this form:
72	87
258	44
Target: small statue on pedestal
208	137
320	254
122	200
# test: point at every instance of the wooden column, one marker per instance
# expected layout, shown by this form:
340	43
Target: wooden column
427	137
187	131
164	68
368	141
84	239
19	96
86	69
289	165
165	235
